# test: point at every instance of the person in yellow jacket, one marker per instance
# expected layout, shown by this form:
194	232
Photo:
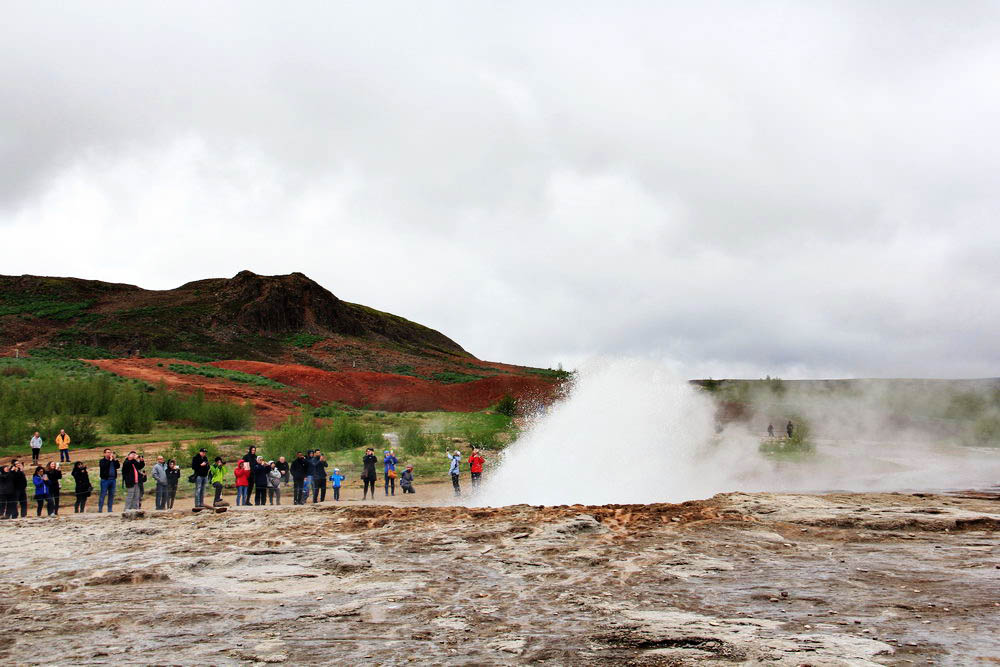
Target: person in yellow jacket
62	442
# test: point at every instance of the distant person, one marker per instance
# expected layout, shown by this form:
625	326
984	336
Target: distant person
131	469
406	480
476	462
337	480
54	475
273	484
42	496
260	481
36	447
282	465
770	430
83	486
109	467
173	479
368	474
217	477
242	474
62	442
298	470
251	458
389	460
454	469
142	479
199	469
319	478
159	473
19	489
790	428
5	490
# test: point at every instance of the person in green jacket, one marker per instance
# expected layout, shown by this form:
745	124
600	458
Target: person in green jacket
216	473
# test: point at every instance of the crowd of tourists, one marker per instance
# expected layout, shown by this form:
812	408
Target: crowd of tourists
258	481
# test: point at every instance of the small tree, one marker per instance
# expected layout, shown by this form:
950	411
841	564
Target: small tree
507	406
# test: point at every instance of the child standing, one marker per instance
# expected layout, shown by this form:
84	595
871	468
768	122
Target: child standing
336	478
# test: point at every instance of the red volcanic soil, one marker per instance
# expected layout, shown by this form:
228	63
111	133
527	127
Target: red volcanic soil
398	393
361	389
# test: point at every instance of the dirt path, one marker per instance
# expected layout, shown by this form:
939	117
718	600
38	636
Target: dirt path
781	579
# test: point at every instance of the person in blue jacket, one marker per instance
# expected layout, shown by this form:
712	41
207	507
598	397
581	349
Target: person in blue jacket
454	469
390	462
337	479
42	495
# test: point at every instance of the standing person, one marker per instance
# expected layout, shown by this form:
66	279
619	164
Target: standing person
54	475
18	490
770	430
83	486
454	470
62	442
368	475
251	458
260	481
319	479
173	479
6	488
242	474
142	479
389	461
406	480
199	468
790	428
42	491
36	447
273	484
160	477
131	469
337	479
299	469
217	474
109	479
476	462
282	466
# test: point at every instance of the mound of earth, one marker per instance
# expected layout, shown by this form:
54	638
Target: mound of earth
735	579
314	386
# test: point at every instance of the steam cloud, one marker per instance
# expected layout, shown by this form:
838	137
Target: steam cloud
633	431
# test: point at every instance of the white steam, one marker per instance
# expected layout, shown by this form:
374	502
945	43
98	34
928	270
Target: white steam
632	431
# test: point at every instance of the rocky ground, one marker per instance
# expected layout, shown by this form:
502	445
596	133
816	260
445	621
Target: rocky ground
739	578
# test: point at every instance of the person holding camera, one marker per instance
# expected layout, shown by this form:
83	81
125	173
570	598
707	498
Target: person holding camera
160	477
199	475
389	460
54	475
18	490
83	486
299	470
6	489
173	479
131	470
454	469
368	476
217	475
109	479
406	480
42	496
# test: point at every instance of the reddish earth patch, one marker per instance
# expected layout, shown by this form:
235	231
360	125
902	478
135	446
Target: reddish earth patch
361	389
398	393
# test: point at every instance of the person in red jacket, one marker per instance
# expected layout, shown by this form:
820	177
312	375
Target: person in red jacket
242	474
476	462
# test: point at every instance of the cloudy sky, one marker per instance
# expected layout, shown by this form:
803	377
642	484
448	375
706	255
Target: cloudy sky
799	189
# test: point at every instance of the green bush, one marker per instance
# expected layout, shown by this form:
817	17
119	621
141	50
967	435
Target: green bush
507	406
299	434
450	377
131	413
82	430
225	374
303	339
414	442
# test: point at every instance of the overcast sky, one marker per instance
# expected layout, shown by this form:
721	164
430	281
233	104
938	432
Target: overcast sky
794	189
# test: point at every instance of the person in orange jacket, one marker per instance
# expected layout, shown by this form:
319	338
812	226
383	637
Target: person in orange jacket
62	442
476	462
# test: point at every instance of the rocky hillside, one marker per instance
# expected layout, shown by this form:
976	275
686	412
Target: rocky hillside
265	318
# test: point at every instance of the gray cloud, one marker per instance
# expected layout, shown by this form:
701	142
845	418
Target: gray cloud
784	189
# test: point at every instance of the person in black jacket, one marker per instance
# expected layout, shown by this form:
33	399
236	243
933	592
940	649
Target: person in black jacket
251	458
18	490
299	469
109	479
83	486
260	471
54	475
368	476
131	472
199	466
319	477
173	479
5	490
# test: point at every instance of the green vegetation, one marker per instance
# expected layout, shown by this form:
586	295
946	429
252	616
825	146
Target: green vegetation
450	377
404	369
507	406
303	339
797	446
552	374
42	307
225	374
184	356
299	434
131	412
72	351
